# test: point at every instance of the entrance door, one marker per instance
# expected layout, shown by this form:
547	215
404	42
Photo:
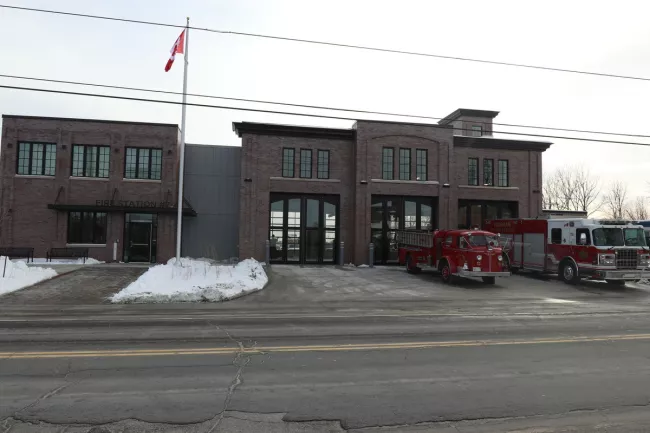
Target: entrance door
140	238
390	214
140	242
303	229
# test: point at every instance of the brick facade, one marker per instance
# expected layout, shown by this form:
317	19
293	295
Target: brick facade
356	172
24	199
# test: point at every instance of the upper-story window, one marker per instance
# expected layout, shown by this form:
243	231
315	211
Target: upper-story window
488	172
472	171
288	159
504	177
143	163
305	163
36	159
90	161
476	131
323	169
421	164
387	163
405	164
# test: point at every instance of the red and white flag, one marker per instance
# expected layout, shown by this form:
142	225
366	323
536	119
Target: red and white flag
178	48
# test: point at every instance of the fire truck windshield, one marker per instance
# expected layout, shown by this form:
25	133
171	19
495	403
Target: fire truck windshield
482	240
635	237
616	237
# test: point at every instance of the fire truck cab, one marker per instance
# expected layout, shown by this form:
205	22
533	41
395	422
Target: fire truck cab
463	253
575	248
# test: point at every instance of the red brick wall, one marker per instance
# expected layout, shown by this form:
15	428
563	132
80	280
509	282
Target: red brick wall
24	199
357	168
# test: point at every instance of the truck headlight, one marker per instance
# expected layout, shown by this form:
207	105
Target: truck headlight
644	259
479	257
500	258
606	259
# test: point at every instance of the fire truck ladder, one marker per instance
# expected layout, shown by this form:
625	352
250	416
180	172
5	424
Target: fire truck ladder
416	239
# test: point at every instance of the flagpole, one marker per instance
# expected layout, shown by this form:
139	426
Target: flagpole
181	170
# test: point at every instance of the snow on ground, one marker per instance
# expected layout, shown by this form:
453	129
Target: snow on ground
89	261
17	275
194	281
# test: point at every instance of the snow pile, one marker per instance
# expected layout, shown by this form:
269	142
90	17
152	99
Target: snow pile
17	275
89	261
645	282
194	281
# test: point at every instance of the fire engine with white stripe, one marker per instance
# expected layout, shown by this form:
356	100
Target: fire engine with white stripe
575	248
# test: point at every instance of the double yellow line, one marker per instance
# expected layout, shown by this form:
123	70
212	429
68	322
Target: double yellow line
313	348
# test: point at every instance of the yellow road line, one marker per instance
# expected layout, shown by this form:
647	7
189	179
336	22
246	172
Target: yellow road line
313	348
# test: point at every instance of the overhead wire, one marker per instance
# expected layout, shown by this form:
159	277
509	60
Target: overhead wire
322	116
335	44
319	107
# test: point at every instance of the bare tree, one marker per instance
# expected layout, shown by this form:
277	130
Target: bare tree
614	201
571	188
638	209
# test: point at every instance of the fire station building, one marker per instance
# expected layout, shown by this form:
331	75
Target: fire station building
309	189
112	187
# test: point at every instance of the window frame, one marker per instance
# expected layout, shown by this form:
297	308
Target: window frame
289	164
97	162
404	175
471	182
309	167
31	158
319	163
137	162
385	164
419	165
500	175
491	183
477	128
81	241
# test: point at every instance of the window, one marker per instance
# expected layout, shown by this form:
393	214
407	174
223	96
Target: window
387	163
580	232
472	171
323	169
87	228
305	163
449	241
288	156
488	172
90	161
477	131
405	164
36	159
141	163
421	164
556	236
503	173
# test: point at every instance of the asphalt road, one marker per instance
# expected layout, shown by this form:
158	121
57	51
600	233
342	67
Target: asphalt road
574	364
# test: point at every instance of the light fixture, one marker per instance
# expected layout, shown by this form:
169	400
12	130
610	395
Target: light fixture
364	182
445	185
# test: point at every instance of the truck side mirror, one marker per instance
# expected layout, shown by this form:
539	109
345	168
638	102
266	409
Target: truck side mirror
583	239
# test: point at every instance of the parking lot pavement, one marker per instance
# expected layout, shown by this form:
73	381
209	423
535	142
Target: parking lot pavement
321	284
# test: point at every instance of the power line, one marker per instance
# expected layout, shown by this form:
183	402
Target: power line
339	45
319	107
257	110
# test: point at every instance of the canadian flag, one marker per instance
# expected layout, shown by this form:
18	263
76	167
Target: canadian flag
178	48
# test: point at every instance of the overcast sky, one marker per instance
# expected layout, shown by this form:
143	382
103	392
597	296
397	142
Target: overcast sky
585	35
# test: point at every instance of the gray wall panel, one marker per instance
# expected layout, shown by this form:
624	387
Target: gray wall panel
211	184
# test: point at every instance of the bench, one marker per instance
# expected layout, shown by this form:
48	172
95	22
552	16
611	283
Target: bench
67	253
18	253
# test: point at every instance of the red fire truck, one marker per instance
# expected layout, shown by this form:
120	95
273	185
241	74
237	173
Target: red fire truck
614	251
464	253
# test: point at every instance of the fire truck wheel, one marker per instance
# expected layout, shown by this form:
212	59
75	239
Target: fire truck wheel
445	273
409	266
569	273
488	280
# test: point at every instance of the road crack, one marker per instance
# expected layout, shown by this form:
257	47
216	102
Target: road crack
241	360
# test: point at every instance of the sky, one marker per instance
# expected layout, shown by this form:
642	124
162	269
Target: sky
582	35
